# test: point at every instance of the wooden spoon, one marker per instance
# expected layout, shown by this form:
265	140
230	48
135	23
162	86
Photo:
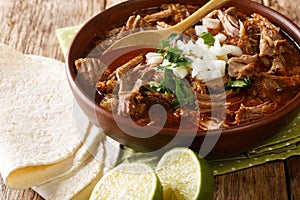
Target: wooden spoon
152	38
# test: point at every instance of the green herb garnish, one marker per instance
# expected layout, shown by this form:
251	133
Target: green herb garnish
165	43
238	83
183	62
173	54
184	93
173	85
208	38
168	83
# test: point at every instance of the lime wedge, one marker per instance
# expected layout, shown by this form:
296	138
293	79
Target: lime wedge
133	181
185	176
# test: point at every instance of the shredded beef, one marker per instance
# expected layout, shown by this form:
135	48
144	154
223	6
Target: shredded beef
269	59
130	83
229	22
291	81
120	71
270	38
278	66
133	24
159	15
245	114
243	66
90	69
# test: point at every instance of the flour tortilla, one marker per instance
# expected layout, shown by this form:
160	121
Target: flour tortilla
39	139
78	184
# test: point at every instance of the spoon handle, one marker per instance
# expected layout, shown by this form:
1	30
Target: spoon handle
197	16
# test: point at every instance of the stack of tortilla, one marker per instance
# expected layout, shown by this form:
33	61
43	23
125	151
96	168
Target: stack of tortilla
46	141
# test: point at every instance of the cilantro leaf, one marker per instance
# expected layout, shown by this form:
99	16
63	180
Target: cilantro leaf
173	54
208	38
238	83
152	87
173	37
168	82
173	85
175	103
165	43
184	93
183	62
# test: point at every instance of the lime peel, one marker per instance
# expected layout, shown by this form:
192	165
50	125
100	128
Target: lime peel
184	175
132	181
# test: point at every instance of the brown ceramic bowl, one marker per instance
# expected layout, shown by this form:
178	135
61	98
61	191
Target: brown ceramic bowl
229	142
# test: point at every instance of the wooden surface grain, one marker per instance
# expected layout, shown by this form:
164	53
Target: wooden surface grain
29	25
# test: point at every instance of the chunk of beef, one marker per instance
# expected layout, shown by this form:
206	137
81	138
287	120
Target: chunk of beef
245	114
229	22
264	88
243	66
90	69
211	124
158	16
198	86
278	66
213	86
269	46
179	12
120	71
213	97
151	98
247	44
216	86
129	84
109	102
107	86
134	23
111	81
126	101
270	38
291	81
266	61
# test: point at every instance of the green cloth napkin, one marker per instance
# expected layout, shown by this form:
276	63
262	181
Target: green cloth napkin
283	145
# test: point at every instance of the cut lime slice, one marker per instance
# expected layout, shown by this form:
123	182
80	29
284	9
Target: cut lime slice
185	176
133	181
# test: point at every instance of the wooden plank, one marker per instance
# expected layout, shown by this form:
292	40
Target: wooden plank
292	166
289	8
262	182
11	194
110	3
29	25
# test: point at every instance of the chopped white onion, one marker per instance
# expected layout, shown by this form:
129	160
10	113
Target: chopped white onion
207	62
209	75
231	49
221	37
180	71
207	70
154	58
211	23
225	49
190	48
200	29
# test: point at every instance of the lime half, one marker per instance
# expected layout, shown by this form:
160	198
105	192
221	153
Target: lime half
133	181
185	176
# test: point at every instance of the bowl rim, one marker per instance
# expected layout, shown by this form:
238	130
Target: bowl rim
284	110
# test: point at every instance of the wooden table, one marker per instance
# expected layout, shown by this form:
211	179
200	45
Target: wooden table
29	25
